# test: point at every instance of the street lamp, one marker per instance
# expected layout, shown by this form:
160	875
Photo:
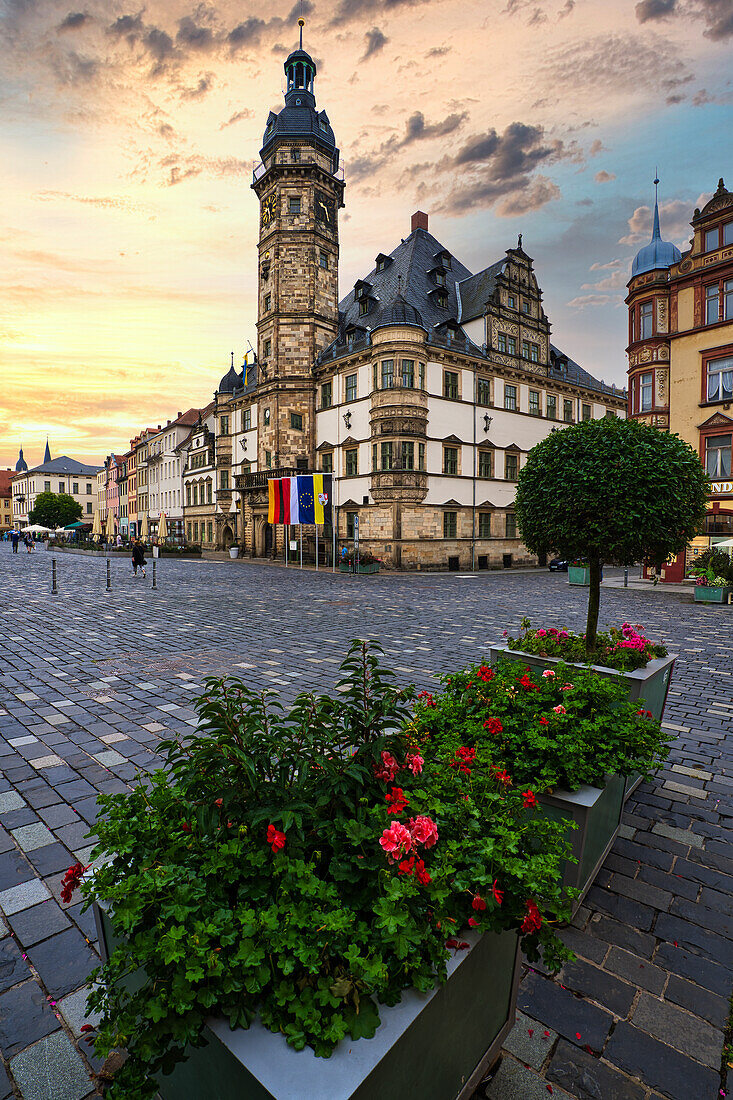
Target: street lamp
487	422
347	419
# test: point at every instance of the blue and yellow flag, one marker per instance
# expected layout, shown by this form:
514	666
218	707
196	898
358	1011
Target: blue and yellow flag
306	499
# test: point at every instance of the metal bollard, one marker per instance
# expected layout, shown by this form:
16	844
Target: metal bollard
54	586
154	564
626	576
109	577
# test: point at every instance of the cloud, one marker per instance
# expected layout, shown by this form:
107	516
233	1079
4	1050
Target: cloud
718	15
615	281
238	116
439	51
604	177
674	218
348	10
194	35
607	266
535	195
375	41
73	21
419	130
107	202
655	9
596	148
587	301
247	33
606	63
518	150
567	10
199	90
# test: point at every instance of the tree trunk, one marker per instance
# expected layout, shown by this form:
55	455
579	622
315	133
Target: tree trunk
594	602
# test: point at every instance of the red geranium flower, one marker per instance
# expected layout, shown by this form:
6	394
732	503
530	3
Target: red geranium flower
526	683
275	838
485	673
498	894
388	768
429	701
396	800
424	831
544	722
71	880
502	777
478	902
533	920
396	841
493	725
528	799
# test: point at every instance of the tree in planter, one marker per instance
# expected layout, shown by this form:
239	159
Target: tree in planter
610	491
55	510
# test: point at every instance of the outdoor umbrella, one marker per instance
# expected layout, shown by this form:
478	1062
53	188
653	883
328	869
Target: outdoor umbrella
162	528
143	532
37	529
96	526
109	530
719	545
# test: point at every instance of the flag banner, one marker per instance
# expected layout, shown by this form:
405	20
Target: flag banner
302	499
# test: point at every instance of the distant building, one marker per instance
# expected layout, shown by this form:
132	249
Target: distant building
6	500
54	475
164	470
681	352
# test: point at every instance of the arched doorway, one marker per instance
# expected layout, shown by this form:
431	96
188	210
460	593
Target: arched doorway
269	538
227	536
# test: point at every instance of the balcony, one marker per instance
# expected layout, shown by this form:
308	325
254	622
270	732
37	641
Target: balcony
260	167
259	480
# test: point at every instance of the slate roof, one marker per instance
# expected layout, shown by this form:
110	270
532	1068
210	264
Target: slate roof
574	372
65	465
474	292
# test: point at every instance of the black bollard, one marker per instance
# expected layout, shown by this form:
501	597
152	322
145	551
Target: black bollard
626	577
109	577
54	586
154	564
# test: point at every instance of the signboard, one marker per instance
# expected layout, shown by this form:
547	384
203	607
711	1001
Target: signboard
356	535
720	487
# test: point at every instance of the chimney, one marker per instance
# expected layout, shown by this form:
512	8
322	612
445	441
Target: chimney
180	415
419	221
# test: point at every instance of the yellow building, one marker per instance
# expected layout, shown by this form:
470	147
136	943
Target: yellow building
681	352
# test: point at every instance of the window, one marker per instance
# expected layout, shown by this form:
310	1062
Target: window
720	379
450	384
209	531
294	204
350	524
484	464
511	345
510	397
351	387
450	460
587	412
711	239
717	455
483	391
323	259
511	525
407	456
267	349
442	299
387	374
567	410
421	375
525	307
525	349
62	486
501	341
224	422
89	507
295	155
534	402
296	421
421	456
268	302
712	304
364	304
511	466
352	462
408	373
188	532
450	525
209	492
534	353
510	301
75	488
89	490
644	402
268	459
324	124
195	495
195	532
728	300
47	486
728	233
386	456
225	479
327	462
610	412
484	525
440	278
326	395
246	420
551	407
645	320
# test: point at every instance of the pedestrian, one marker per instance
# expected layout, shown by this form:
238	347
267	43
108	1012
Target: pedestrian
119	540
138	557
29	542
15	539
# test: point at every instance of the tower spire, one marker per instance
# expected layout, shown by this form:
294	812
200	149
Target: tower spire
656	234
301	24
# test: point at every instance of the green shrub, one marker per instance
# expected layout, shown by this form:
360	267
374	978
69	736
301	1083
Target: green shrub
622	648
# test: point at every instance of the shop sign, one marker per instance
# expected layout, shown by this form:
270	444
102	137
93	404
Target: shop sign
721	487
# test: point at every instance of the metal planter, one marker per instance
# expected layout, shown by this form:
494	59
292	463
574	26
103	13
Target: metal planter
436	1045
709	594
597	814
579	574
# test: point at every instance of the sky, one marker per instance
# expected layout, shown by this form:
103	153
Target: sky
129	129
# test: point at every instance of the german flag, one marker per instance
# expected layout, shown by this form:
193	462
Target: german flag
278	500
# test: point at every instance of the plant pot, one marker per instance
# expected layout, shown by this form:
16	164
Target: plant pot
233	551
436	1045
344	567
708	594
373	567
579	574
597	813
156	551
650	684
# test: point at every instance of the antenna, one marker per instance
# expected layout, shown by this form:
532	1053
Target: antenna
301	24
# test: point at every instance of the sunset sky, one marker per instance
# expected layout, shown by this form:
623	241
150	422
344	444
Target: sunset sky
128	133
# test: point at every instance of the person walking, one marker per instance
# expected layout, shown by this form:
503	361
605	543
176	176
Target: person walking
138	557
15	539
29	542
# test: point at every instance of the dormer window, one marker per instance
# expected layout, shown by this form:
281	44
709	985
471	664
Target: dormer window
323	124
364	305
440	278
443	259
382	261
441	299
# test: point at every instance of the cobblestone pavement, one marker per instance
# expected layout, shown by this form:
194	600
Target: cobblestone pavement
91	680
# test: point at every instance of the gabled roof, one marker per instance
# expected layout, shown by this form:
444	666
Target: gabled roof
575	373
5	479
474	292
65	465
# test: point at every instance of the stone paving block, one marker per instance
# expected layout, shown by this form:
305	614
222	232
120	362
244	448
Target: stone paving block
529	1041
10	800
672	1025
50	858
588	947
38	923
25	1016
51	1068
659	1065
63	961
13	967
33	836
681	836
638	971
641	891
599	986
623	909
588	1078
696	938
14	869
708	1006
579	1022
73	1009
514	1081
23	896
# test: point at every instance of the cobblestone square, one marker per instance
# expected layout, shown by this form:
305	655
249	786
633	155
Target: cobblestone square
92	680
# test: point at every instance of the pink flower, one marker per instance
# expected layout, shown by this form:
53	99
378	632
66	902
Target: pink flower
548	673
396	841
559	710
388	769
424	831
541	633
414	762
472	922
566	687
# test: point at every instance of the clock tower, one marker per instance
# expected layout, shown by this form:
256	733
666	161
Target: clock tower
300	189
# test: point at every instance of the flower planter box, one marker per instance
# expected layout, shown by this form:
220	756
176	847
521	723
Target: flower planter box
435	1045
650	683
347	567
579	574
597	813
708	594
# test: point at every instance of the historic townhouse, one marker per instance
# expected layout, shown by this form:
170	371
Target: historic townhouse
164	473
6	500
421	391
54	475
681	351
200	509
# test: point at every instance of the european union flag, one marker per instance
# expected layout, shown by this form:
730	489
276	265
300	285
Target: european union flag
306	503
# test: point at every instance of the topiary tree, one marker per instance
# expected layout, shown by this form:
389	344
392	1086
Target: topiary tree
55	510
610	491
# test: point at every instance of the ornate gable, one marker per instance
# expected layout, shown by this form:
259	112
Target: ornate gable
717	420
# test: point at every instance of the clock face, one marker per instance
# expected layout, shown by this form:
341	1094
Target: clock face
269	208
325	209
